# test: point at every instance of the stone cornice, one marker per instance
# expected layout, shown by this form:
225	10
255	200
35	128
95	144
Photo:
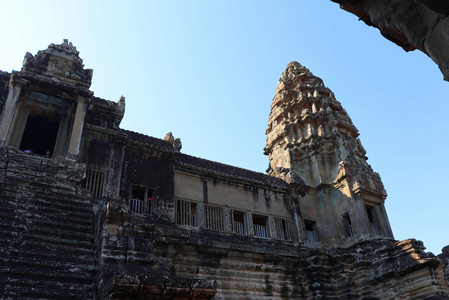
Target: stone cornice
147	147
226	177
49	86
118	135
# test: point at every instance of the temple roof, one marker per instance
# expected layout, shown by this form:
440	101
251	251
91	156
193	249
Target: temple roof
146	139
228	170
104	102
205	166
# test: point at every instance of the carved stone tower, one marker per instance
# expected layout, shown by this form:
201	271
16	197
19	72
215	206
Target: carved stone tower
47	103
311	141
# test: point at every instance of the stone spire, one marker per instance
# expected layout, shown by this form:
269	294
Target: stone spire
310	137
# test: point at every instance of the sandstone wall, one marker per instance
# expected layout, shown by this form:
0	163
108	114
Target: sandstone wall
46	229
232	195
312	143
69	230
411	24
4	88
148	255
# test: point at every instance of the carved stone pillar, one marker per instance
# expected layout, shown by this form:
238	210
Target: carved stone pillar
10	109
78	124
385	223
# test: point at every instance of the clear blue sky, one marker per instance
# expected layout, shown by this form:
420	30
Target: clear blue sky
207	71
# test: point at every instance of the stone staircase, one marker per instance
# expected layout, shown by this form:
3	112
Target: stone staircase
46	239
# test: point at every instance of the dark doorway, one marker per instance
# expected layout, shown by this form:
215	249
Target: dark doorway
40	135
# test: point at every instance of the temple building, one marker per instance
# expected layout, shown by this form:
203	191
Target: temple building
94	211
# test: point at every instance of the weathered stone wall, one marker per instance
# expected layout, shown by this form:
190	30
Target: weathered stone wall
411	24
444	268
154	253
4	87
232	195
67	230
146	256
46	223
102	150
149	164
105	114
311	142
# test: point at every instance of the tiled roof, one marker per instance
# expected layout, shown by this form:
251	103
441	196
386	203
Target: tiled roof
103	102
152	141
208	166
223	169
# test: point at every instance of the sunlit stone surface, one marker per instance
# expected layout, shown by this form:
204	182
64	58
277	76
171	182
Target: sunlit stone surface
93	211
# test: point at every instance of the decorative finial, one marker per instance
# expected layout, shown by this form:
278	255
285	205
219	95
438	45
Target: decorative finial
169	138
177	145
121	102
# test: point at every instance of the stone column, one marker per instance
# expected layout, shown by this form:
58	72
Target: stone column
17	127
249	223
78	124
271	231
117	157
10	109
296	219
385	222
360	217
199	215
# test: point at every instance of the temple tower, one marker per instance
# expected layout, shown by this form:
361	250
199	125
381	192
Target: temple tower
312	142
47	103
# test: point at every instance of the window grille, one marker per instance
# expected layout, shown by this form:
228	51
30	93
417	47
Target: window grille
260	226
213	217
260	231
238	219
95	183
283	230
141	200
137	206
186	213
239	228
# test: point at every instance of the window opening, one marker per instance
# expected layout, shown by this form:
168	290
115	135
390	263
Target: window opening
186	213
238	222
371	218
141	200
94	183
260	226
39	136
283	230
310	231
213	217
349	231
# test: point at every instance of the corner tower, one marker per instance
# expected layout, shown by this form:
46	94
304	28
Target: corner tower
311	141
